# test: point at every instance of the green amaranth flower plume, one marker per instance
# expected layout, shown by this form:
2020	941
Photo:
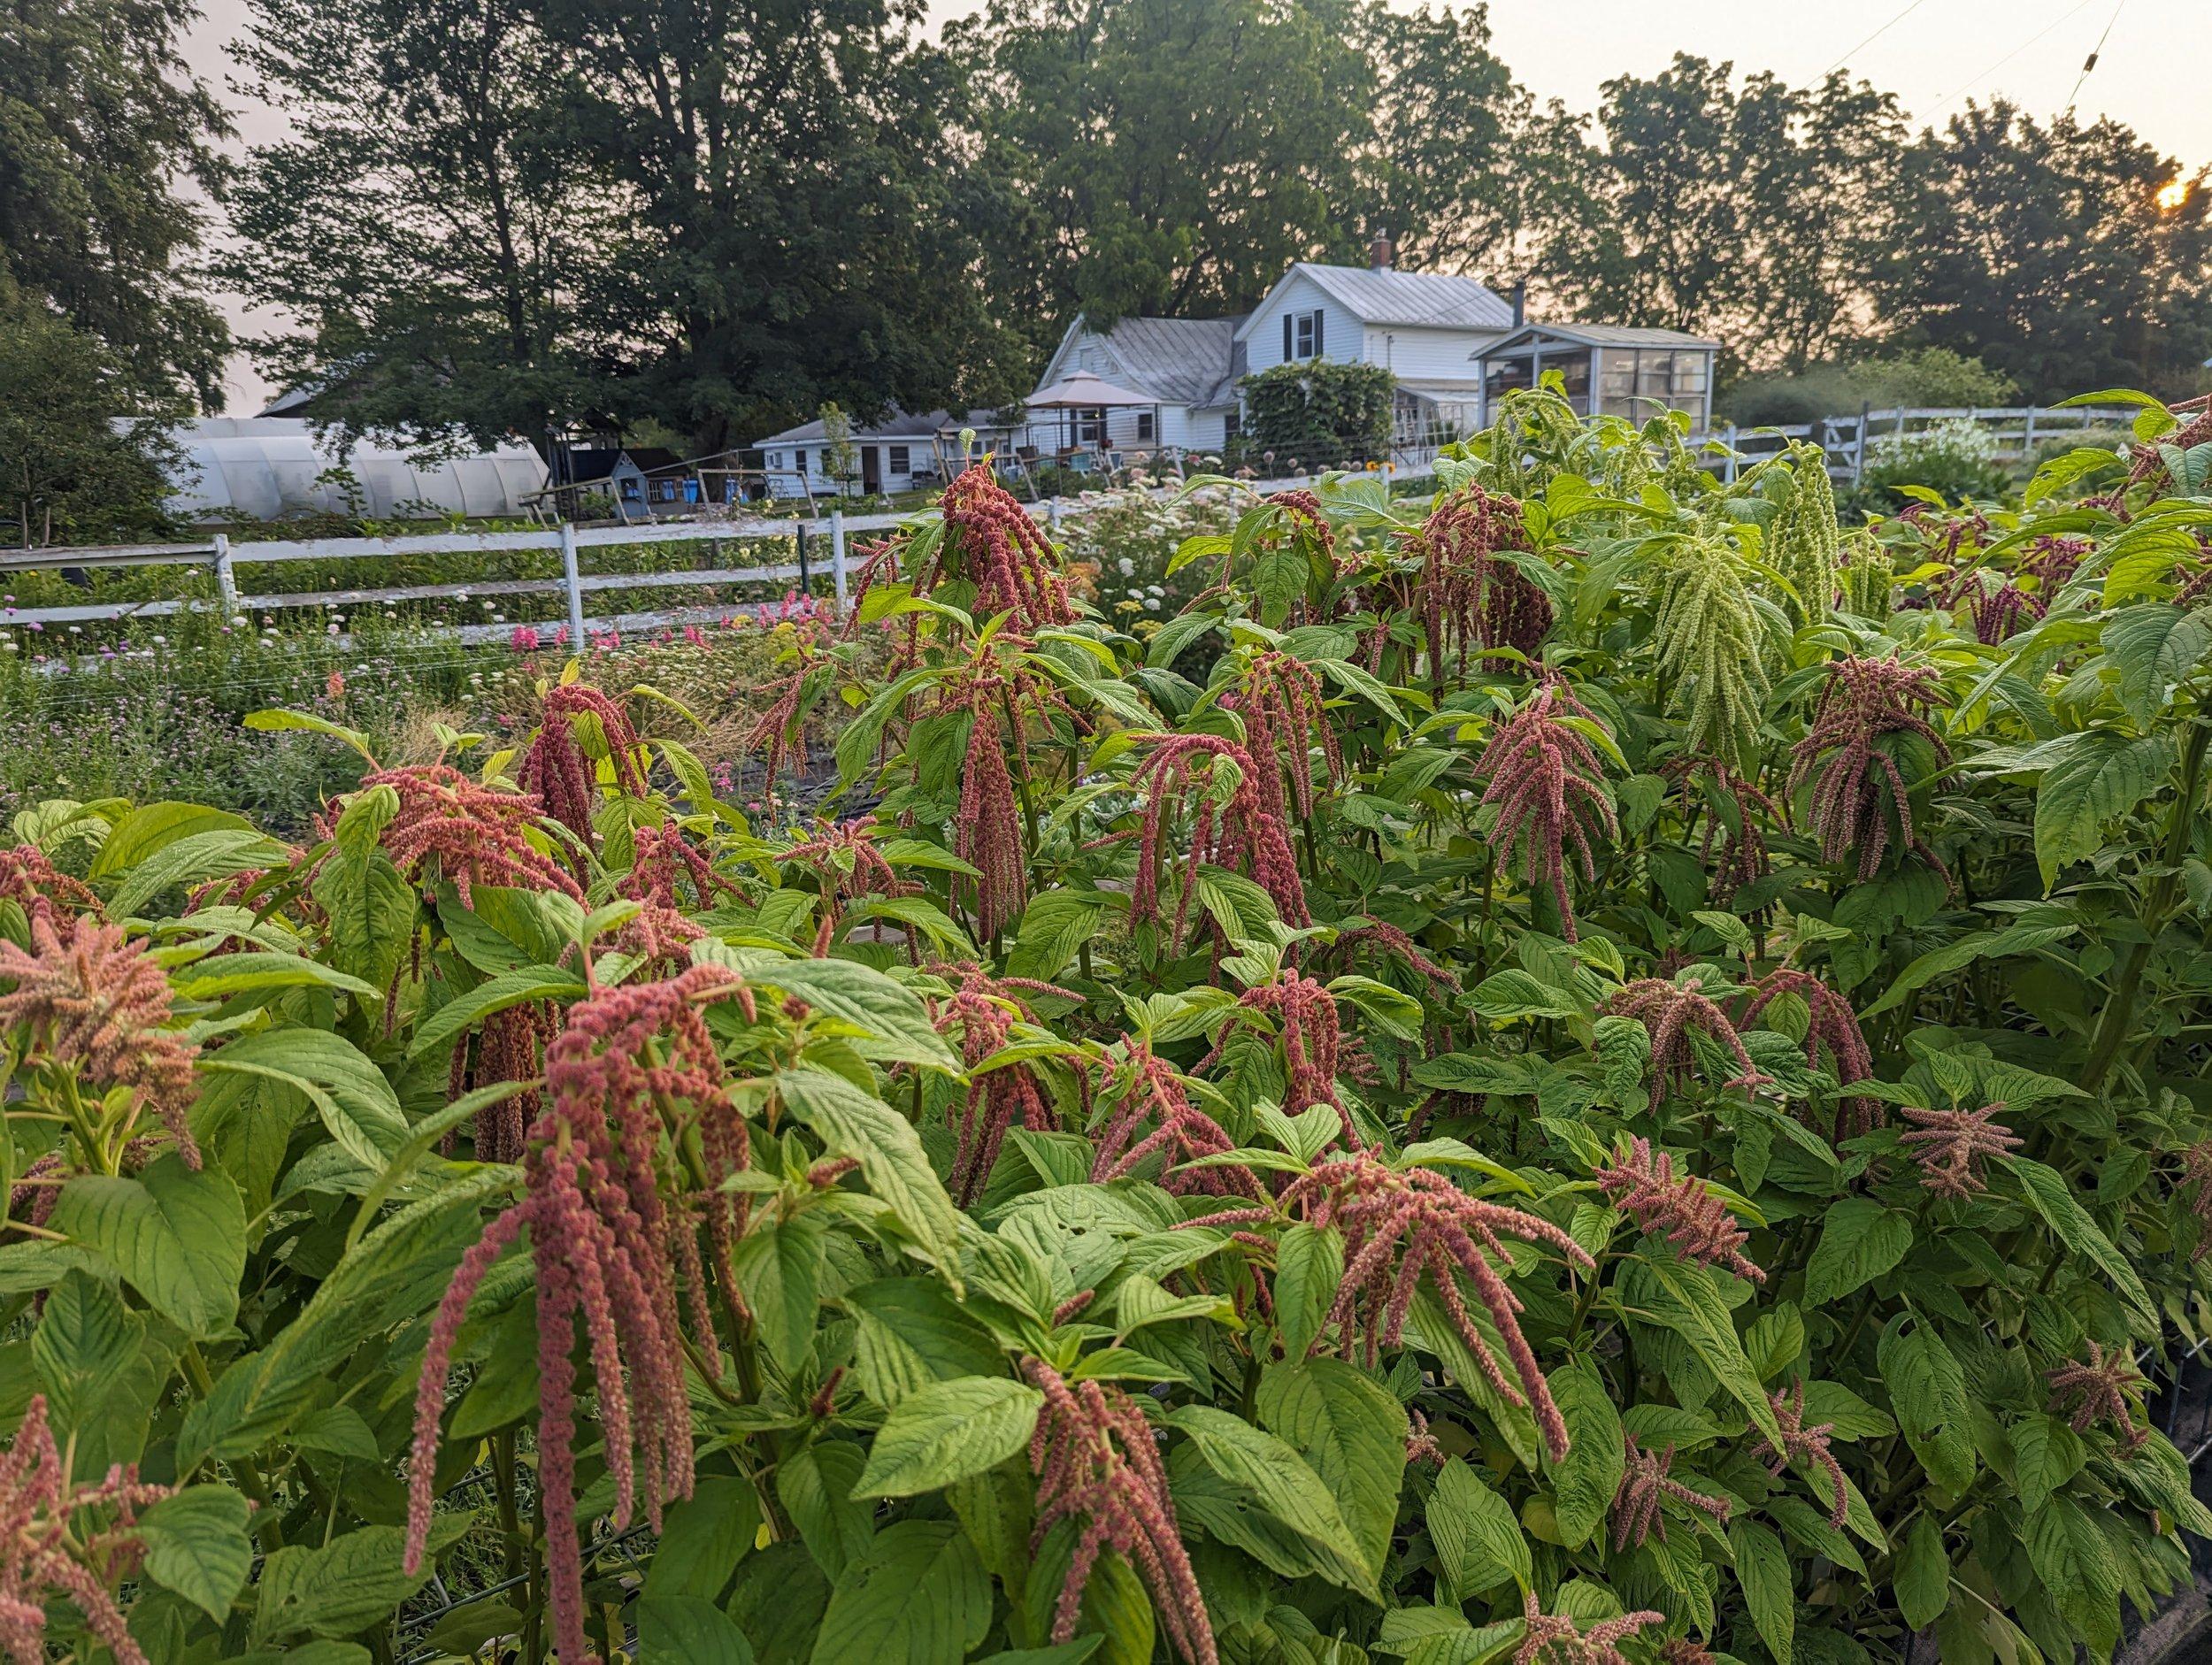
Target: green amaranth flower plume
1712	649
1802	541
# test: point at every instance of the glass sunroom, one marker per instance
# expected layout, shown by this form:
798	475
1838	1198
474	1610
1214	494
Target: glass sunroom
1608	369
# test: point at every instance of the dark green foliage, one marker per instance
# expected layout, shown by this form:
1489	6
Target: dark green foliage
1324	414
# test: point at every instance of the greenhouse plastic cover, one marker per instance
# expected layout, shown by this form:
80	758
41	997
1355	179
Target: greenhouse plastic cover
267	467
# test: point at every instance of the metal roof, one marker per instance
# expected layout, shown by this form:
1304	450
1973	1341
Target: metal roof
1598	335
1181	360
1437	300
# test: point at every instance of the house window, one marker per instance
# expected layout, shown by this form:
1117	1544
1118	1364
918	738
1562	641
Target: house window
1302	336
1232	425
775	459
901	460
1090	426
1144	426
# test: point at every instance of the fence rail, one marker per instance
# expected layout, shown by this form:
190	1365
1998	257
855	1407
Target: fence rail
1851	440
222	558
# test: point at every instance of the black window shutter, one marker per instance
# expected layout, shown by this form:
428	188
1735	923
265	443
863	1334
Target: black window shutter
1317	347
1287	347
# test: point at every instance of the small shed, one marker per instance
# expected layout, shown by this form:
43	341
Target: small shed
649	479
1609	368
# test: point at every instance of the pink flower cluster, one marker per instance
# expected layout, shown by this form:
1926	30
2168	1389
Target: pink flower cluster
1832	1029
1951	1145
1668	1012
1141	1088
608	1249
474	832
1643	1184
1811	1444
46	1543
97	1006
1097	1462
1243	831
1546	780
1401	1223
1645	1483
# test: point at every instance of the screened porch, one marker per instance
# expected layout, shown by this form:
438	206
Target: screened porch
1606	369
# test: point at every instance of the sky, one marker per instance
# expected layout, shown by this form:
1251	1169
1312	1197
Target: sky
1933	54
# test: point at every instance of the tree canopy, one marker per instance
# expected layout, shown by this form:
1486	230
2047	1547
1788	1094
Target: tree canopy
102	135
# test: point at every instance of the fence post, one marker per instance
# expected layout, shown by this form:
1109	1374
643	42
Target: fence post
1729	476
1858	457
806	573
225	580
2027	439
837	556
1052	512
572	582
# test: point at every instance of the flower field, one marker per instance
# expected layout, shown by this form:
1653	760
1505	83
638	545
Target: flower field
1596	1069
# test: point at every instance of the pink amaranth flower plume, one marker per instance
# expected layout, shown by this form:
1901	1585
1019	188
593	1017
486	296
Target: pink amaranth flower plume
1097	1463
474	834
1547	782
2105	1388
563	774
2196	1175
1241	831
50	1544
96	1005
1457	544
1855	783
1400	1225
1951	1145
1832	1029
662	861
1284	711
33	882
1645	1482
1811	1444
1668	1012
1142	1087
1313	1043
613	1229
1643	1184
982	1010
1557	1639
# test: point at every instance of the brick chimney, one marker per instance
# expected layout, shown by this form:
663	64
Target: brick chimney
1381	252
1520	302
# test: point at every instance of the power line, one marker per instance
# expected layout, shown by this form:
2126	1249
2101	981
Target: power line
1870	39
1941	103
2090	63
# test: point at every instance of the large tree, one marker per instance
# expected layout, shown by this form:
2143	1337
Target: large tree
1754	211
70	473
1178	153
103	132
2044	249
425	220
791	229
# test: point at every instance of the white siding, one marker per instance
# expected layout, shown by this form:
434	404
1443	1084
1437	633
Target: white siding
1342	339
1414	354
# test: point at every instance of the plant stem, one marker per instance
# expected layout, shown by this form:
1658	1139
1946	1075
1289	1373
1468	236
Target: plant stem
2158	905
510	1517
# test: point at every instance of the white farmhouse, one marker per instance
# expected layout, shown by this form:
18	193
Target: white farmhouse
1426	328
1453	344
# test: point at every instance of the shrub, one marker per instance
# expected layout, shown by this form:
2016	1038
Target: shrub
1676	1136
1928	377
1954	459
1324	414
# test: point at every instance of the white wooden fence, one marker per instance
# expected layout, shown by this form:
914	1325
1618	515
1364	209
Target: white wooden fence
1851	440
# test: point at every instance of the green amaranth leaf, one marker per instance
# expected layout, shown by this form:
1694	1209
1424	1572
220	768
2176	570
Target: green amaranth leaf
948	1431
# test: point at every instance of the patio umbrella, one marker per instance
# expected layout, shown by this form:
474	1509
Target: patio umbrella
1084	391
